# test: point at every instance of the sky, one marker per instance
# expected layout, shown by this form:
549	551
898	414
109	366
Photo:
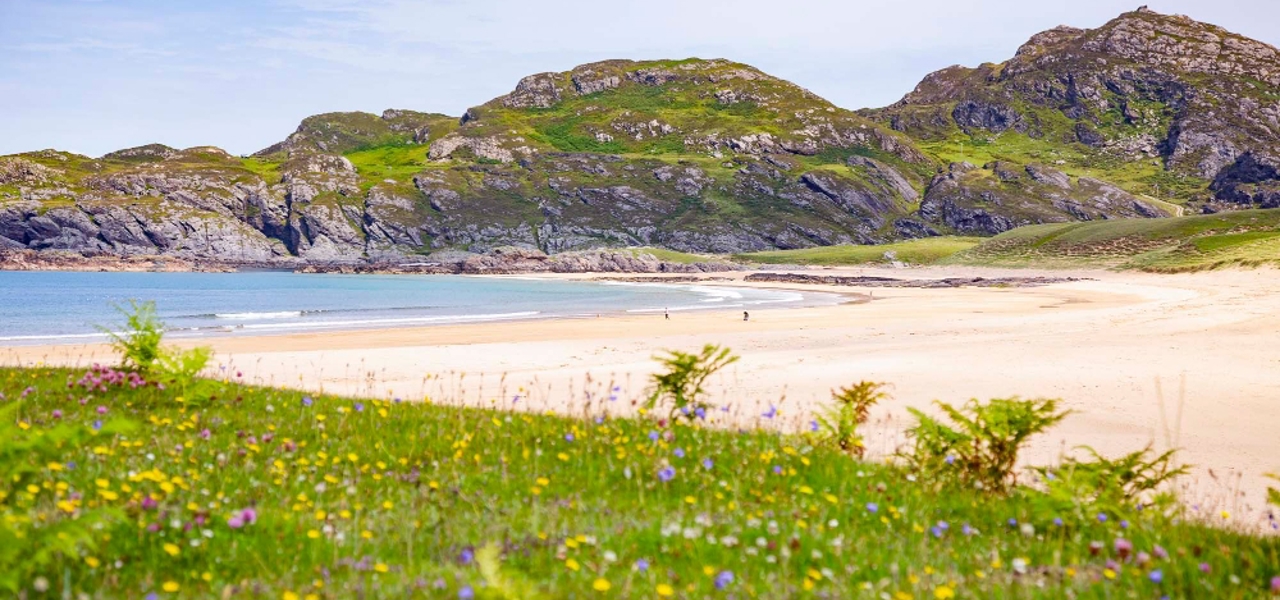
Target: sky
93	76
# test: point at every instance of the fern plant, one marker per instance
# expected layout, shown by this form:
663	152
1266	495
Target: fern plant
980	447
1113	486
139	342
681	385
851	407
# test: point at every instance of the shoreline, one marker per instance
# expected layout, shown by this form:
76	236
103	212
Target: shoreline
1114	346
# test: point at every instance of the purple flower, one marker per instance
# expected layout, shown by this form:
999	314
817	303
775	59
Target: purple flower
148	503
359	407
653	436
777	469
642	565
967	530
951	459
1057	521
97	425
306	400
152	596
466	556
724	578
242	518
1275	584
771	413
872	507
466	593
1156	576
700	412
102	410
1013	522
679	452
707	464
568	437
1124	524
666	474
1160	552
1102	517
1205	568
1123	547
205	434
57	414
813	425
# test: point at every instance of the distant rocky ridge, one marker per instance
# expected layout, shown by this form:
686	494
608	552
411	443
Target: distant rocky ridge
708	156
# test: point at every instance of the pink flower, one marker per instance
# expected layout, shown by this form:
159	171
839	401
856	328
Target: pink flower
1124	547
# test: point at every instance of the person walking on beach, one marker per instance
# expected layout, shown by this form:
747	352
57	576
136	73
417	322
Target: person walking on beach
745	317
666	315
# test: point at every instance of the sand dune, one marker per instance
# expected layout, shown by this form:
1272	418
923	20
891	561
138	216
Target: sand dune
1111	348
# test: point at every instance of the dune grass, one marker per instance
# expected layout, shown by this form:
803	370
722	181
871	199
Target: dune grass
241	491
1247	238
923	251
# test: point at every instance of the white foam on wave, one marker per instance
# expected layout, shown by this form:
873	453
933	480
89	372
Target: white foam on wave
67	336
255	316
371	323
685	308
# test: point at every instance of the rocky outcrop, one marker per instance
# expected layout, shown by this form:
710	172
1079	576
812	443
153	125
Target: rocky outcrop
1192	95
997	198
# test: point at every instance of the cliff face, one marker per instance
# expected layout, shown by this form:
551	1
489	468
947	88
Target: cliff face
701	155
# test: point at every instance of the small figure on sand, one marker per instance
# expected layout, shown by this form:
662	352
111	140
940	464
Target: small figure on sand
666	315
745	316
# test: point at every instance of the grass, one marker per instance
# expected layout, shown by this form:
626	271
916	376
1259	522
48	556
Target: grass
1246	238
672	256
382	498
923	251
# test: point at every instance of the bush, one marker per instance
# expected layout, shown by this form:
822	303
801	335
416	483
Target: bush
139	343
981	450
681	385
1102	485
141	349
1273	495
838	423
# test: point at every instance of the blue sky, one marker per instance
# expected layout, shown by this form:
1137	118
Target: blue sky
93	76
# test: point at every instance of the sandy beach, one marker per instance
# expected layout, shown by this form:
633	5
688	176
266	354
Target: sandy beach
1127	352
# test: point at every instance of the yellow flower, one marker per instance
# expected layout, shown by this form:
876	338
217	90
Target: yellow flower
808	584
92	562
572	564
207	576
601	585
562	456
1108	573
943	592
288	595
388	505
381	568
313	534
102	483
708	570
170	586
665	590
366	534
902	596
172	549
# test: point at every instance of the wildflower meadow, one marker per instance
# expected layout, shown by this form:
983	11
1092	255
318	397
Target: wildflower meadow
134	483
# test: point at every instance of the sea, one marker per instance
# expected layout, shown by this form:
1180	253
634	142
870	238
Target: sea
72	307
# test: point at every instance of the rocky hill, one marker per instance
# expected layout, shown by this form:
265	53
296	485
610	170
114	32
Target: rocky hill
1133	119
1159	105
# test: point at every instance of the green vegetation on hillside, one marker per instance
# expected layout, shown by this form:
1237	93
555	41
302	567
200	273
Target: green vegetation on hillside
923	251
1246	238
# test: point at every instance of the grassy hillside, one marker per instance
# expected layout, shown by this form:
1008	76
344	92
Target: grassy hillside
224	490
924	251
1245	238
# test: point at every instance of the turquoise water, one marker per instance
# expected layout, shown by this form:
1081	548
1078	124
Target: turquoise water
44	307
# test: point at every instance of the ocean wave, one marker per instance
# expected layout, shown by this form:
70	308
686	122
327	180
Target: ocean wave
254	316
373	323
684	308
66	336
